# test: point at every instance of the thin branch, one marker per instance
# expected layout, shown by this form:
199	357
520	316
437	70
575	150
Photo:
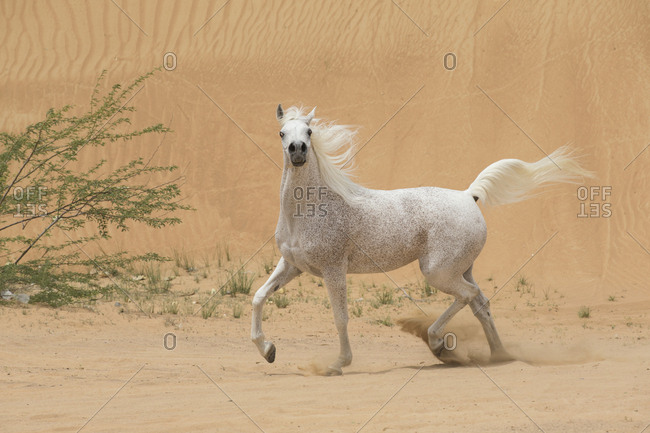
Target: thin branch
54	221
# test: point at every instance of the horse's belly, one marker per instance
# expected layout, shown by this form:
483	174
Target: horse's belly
361	263
381	259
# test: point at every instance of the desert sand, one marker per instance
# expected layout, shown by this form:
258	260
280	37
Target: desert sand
439	91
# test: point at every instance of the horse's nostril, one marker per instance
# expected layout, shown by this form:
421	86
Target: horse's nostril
303	147
292	148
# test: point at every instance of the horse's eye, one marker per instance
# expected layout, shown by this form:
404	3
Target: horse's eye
309	132
281	134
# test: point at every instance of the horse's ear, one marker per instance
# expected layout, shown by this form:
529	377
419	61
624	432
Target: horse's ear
279	114
311	115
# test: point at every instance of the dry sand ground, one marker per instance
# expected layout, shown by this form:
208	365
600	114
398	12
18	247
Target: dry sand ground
104	370
528	76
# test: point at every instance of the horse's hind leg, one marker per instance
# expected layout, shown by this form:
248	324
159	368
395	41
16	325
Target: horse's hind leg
480	306
464	292
283	273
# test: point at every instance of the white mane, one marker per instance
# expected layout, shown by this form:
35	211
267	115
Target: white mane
333	146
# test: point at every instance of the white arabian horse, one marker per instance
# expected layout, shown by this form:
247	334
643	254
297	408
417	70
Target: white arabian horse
330	226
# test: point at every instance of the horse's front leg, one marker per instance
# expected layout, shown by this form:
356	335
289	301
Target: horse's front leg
338	294
283	273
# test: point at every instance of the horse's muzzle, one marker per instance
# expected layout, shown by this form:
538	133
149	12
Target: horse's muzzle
298	153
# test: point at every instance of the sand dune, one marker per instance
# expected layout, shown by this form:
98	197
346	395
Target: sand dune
564	74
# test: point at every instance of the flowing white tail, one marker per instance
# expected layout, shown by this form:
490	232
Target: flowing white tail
513	180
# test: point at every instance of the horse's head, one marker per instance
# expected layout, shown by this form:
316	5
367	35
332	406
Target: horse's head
296	136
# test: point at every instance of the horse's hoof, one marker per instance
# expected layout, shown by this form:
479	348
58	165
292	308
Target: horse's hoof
448	357
444	355
270	354
333	370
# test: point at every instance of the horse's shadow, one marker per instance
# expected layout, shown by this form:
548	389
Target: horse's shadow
432	367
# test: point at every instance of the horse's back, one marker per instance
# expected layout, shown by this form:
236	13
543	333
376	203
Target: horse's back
390	229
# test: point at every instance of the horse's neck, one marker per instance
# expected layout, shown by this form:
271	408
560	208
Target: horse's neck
300	183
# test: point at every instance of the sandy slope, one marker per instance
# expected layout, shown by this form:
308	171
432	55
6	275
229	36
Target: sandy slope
536	76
